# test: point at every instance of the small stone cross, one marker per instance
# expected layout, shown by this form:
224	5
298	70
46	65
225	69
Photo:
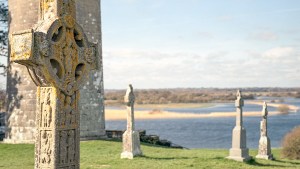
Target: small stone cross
131	138
264	147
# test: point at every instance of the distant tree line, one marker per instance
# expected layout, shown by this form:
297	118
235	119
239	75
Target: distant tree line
165	96
193	95
3	34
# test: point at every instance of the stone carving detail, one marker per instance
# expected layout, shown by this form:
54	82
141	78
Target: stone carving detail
264	148
68	115
59	58
46	147
63	147
131	138
46	107
239	150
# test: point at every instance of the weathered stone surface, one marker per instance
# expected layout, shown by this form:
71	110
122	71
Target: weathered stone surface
131	138
59	58
239	150
91	104
21	88
264	147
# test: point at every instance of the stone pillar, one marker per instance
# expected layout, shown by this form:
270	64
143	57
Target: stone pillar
59	58
239	150
21	90
131	138
264	148
91	105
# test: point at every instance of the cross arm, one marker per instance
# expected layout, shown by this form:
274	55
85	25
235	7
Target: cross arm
22	47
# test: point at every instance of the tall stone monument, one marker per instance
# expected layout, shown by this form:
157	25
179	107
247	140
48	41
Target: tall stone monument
264	148
239	150
58	57
131	138
21	108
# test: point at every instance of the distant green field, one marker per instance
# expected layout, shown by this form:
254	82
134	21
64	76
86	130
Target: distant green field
106	154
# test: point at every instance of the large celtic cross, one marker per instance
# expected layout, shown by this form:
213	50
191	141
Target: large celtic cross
58	57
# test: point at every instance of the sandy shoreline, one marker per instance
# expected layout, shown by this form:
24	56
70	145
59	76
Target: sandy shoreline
143	115
276	105
111	114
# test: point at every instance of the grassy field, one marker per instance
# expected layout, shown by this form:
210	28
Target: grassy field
106	154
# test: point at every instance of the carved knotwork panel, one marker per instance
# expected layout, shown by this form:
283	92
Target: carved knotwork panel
67	147
68	114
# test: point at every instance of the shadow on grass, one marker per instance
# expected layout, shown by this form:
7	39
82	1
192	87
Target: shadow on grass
167	158
142	143
255	163
288	162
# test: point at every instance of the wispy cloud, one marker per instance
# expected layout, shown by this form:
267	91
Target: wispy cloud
154	69
264	36
280	53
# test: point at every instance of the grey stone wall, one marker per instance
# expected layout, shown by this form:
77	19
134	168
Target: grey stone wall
21	91
92	120
20	118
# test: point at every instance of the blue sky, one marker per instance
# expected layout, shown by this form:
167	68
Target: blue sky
201	43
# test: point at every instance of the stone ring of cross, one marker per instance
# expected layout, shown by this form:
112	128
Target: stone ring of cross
60	56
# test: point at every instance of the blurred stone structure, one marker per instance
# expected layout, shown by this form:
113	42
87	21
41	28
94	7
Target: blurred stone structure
239	150
131	138
21	90
264	147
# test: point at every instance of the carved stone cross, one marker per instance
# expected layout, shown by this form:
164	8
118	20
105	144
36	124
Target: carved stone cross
58	57
239	104
129	100
131	138
264	147
239	150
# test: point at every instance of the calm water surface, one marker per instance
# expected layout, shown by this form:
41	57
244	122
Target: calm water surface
215	132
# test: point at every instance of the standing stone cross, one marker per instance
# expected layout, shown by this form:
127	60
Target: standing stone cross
130	138
129	100
264	147
58	57
239	104
239	150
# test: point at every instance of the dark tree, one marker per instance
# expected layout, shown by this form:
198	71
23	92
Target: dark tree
3	34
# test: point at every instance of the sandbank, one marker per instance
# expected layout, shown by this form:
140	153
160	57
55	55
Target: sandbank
143	115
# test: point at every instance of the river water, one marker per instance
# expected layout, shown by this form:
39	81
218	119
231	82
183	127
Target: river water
215	132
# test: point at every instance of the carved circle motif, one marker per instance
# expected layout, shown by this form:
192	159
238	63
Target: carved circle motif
65	55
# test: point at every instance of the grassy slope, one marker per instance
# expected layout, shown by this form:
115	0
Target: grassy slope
105	154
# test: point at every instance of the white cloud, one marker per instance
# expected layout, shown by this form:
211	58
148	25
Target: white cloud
275	67
280	53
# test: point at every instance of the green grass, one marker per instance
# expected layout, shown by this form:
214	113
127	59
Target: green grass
106	154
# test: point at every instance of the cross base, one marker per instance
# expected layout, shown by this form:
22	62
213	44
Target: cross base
131	145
